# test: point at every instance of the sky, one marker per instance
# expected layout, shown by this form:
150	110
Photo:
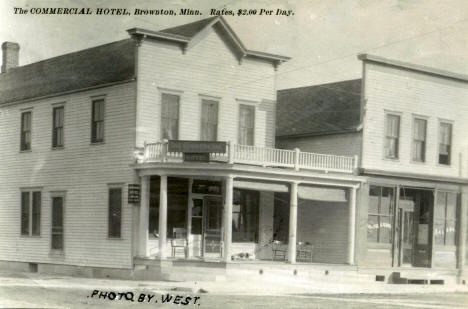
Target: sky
322	37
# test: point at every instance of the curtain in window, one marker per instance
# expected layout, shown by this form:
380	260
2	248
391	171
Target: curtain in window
170	116
209	120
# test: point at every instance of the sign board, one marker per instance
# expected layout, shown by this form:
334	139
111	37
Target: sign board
196	157
133	193
197	146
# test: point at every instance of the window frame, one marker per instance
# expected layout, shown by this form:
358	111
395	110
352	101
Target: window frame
204	101
454	221
23	146
30	212
255	199
60	194
387	116
379	214
56	145
94	139
450	123
109	188
162	118
254	111
414	140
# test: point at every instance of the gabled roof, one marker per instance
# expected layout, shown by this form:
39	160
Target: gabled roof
184	35
100	65
321	109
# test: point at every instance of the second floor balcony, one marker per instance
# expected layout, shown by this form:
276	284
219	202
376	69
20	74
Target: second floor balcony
257	156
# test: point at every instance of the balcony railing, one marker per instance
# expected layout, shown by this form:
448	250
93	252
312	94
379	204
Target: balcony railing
252	155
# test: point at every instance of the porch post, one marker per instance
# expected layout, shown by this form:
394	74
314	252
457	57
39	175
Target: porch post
189	218
227	218
292	223
162	216
144	218
463	226
352	225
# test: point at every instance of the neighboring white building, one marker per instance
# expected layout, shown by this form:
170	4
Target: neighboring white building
408	124
79	132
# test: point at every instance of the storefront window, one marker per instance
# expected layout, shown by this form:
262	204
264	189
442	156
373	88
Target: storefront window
445	219
245	216
380	214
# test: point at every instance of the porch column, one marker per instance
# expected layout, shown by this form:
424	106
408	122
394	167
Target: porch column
292	223
463	227
162	216
144	218
352	225
227	218
189	218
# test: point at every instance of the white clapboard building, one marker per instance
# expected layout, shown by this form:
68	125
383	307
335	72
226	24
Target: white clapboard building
408	125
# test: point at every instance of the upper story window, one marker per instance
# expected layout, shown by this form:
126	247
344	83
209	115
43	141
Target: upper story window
392	136
246	125
170	116
419	139
57	127
97	125
26	131
31	213
445	143
209	123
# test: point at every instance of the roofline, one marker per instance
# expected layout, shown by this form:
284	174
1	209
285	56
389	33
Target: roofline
319	85
185	40
57	94
413	67
356	129
426	177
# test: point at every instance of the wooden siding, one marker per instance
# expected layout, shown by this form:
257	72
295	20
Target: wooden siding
81	170
346	144
410	93
208	68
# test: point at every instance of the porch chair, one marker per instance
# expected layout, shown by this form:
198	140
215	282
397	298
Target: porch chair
304	252
179	241
279	250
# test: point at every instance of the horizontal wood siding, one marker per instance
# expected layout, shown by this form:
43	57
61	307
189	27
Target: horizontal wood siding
83	171
347	144
208	68
411	93
325	226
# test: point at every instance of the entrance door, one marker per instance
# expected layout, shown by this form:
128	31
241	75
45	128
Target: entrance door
213	209
405	232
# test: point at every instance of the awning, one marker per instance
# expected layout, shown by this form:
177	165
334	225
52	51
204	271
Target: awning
322	194
261	186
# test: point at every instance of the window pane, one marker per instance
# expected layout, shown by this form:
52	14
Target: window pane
386	202
245	216
115	209
57	134
246	125
36	213
372	228
439	232
209	120
57	223
97	132
26	131
170	116
385	229
451	206
25	213
374	197
439	207
450	233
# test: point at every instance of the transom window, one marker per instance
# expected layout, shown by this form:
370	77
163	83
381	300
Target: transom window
445	143
380	214
57	127
170	116
392	136
209	126
419	140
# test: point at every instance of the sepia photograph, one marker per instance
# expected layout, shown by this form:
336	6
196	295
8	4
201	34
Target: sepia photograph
234	154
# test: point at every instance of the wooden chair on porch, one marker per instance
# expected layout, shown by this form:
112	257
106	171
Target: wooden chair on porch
304	252
279	250
179	241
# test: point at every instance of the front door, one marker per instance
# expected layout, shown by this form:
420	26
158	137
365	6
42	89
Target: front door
213	209
405	232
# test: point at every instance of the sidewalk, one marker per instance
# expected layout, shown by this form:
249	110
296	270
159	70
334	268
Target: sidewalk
260	286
